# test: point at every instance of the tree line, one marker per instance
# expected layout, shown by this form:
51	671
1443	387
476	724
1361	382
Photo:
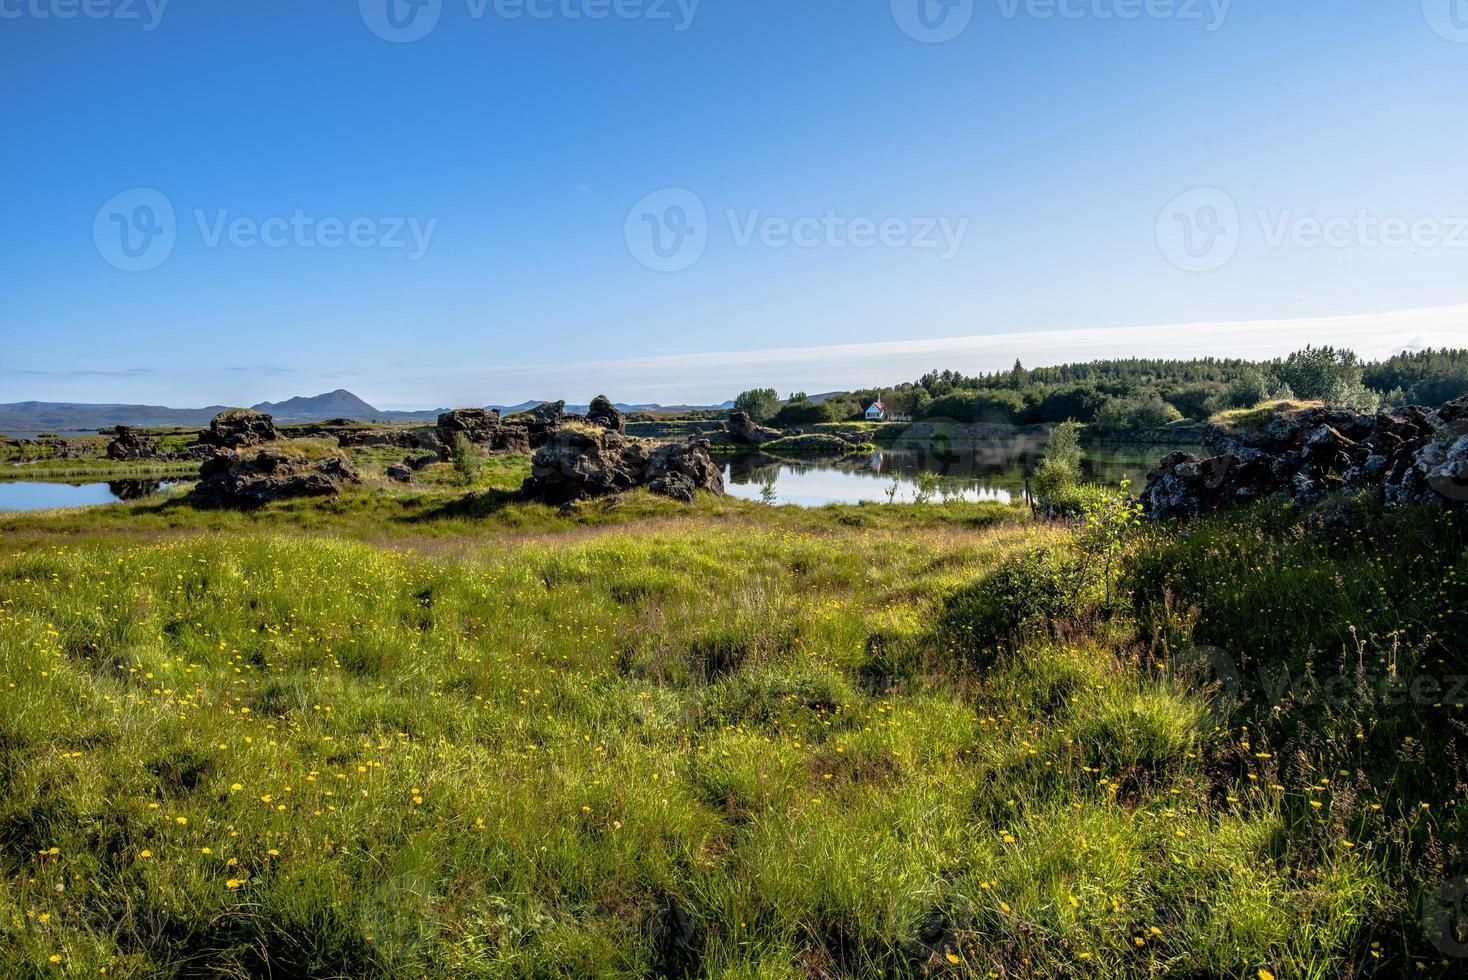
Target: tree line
1137	393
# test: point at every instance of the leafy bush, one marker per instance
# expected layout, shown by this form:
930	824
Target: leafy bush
466	458
1328	375
1128	414
1253	387
802	412
1030	593
1060	467
760	404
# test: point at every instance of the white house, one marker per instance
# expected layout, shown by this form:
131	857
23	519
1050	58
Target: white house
877	412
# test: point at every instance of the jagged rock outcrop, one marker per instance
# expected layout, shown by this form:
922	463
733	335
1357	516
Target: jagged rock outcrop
239	428
229	479
478	425
744	431
1403	456
129	444
603	413
485	428
583	461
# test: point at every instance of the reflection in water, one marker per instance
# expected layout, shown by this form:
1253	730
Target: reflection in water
922	474
134	489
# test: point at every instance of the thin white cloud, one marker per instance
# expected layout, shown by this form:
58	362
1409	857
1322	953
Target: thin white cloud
712	377
707	378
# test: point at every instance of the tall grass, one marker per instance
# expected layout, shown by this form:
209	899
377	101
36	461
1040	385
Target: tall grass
739	741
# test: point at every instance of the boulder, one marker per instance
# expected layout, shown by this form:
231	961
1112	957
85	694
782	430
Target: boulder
486	429
230	479
1403	456
584	461
239	428
130	444
400	473
606	415
478	425
744	431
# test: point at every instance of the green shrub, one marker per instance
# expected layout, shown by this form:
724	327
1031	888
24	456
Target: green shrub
1059	471
1030	593
466	458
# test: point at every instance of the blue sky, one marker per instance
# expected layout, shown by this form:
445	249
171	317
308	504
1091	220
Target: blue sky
1035	180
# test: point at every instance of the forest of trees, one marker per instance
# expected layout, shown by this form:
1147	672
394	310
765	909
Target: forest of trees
1138	393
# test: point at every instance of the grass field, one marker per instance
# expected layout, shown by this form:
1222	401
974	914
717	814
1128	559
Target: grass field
438	732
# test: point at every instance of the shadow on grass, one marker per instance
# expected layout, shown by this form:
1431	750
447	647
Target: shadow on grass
477	505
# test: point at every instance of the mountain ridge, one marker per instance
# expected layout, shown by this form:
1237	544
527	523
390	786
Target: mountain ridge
39	416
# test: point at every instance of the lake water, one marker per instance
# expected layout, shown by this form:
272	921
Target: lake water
986	472
41	496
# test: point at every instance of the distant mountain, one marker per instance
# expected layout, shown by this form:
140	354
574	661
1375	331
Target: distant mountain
75	417
339	404
620	406
30	417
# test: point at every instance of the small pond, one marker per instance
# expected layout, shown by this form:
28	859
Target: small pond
904	475
37	495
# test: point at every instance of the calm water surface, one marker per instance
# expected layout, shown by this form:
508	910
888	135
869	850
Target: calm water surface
994	472
22	495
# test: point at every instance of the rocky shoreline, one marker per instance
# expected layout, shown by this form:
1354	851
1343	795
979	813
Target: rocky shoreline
1403	456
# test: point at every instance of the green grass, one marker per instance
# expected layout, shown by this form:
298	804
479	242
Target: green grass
437	732
1235	418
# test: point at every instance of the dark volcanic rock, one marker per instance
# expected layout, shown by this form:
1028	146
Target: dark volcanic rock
129	444
228	479
486	429
478	425
580	462
745	431
400	472
1403	456
239	428
606	415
